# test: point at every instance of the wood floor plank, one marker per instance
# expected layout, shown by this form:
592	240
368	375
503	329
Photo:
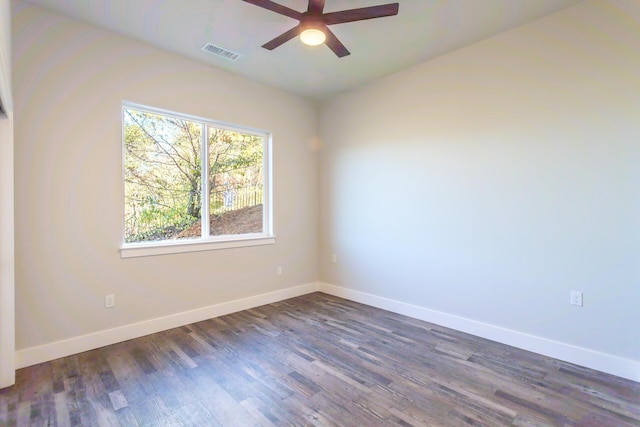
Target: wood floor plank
219	403
315	360
118	401
195	414
23	415
152	411
126	418
62	410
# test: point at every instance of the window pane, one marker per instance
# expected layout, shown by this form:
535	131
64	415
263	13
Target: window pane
162	168
235	182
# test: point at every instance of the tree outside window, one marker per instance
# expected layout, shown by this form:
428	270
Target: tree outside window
166	197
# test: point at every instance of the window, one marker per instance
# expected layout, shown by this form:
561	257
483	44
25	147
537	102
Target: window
171	205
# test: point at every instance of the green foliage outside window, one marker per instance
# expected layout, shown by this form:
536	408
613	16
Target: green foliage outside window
163	177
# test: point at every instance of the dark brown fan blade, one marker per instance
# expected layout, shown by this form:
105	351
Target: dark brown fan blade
316	6
282	38
360	14
277	8
335	45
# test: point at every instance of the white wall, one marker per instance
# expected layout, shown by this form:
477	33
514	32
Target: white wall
490	182
69	82
7	258
7	312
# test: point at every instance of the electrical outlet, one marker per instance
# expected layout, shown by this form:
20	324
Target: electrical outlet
110	301
279	271
334	258
576	298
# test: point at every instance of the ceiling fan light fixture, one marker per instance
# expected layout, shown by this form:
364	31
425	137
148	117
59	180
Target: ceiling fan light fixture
313	27
313	36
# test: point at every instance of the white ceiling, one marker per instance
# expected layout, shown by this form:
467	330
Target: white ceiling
423	29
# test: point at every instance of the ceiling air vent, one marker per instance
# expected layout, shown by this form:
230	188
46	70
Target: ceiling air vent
219	51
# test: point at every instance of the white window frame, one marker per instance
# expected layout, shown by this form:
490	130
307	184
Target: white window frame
205	242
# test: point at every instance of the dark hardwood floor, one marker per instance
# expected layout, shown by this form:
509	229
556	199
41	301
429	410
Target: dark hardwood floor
315	360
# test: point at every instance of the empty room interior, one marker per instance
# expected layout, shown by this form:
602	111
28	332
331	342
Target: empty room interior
430	218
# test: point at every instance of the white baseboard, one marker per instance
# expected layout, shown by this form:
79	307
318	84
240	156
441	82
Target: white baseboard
611	364
603	362
34	355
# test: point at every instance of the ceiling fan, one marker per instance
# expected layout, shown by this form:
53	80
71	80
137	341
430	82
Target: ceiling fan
313	27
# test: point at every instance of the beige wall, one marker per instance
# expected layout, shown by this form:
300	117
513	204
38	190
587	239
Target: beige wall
69	82
5	50
490	182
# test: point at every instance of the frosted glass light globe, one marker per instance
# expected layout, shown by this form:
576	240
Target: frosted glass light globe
312	37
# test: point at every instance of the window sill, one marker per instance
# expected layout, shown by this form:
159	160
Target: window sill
132	250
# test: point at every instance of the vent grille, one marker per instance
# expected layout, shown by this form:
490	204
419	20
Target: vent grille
220	51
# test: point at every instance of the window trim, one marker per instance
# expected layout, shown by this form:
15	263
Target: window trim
132	250
205	242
